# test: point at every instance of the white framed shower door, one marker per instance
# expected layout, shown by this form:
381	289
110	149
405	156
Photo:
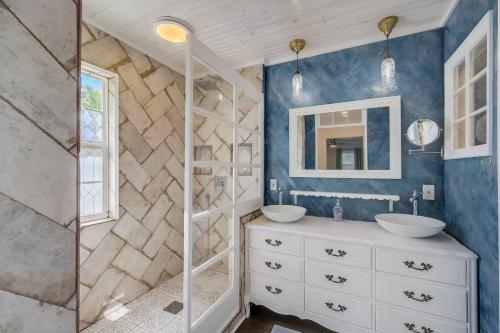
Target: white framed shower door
220	185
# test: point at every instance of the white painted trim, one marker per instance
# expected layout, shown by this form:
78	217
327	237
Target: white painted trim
343	195
482	29
216	316
212	261
188	188
220	118
394	104
111	137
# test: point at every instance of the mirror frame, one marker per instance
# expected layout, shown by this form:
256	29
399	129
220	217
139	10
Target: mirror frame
394	105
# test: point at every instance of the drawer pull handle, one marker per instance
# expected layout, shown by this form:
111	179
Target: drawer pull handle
276	242
423	265
338	308
340	279
411	328
424	297
271	266
340	253
276	291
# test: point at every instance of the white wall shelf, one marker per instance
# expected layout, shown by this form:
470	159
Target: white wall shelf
343	195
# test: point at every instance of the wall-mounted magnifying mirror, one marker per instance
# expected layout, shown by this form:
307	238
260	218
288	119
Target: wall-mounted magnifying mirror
423	132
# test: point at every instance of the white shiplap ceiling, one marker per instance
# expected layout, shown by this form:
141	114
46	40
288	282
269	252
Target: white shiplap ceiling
248	32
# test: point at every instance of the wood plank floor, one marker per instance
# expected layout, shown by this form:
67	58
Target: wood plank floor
262	320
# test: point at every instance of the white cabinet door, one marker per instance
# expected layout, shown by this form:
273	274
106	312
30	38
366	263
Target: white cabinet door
276	242
278	291
338	252
422	266
396	321
338	278
339	307
423	296
277	265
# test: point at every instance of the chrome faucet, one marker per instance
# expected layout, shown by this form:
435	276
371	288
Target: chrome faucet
280	196
414	200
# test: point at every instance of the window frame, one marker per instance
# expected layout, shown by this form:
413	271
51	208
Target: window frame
110	146
463	54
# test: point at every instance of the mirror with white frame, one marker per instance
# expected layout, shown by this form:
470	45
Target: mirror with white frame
359	139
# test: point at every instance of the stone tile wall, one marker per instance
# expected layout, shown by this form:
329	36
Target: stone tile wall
38	172
121	260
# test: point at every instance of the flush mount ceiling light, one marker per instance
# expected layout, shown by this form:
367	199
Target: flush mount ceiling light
296	46
388	67
171	29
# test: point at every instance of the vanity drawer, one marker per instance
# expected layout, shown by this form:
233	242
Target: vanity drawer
278	291
338	252
423	296
395	321
338	278
276	241
345	308
428	267
277	265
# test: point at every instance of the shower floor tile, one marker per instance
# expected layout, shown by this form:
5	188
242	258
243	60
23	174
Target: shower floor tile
146	313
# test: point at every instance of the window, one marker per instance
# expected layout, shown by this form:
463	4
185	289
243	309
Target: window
468	92
98	144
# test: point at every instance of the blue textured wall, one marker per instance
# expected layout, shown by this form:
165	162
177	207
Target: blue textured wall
310	142
377	136
471	184
354	74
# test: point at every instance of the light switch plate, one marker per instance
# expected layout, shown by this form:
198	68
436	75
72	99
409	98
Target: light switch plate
428	192
273	184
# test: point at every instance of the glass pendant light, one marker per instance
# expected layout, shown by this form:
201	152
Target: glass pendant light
296	46
388	67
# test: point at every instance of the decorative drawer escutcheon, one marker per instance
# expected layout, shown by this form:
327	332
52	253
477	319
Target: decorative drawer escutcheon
331	278
423	266
411	328
269	241
338	308
339	253
271	266
276	291
424	297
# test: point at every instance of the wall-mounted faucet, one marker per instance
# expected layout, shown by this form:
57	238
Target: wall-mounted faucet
414	200
280	196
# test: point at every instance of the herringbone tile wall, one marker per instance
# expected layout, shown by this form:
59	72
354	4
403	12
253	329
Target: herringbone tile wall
120	260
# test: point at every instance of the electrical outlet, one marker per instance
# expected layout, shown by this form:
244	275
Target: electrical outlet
273	184
428	192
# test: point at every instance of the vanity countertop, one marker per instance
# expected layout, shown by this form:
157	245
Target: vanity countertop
364	232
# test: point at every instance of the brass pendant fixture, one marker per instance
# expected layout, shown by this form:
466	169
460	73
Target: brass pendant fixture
296	46
388	67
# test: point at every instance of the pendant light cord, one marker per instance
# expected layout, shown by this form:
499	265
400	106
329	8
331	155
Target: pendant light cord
297	53
387	46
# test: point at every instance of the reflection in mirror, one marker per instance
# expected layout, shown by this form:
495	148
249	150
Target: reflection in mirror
423	132
345	140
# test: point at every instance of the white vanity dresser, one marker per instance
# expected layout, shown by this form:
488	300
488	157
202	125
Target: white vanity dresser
354	277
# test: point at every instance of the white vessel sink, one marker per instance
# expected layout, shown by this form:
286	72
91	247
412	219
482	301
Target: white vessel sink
283	213
406	225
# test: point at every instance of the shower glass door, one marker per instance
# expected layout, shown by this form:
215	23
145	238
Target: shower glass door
223	181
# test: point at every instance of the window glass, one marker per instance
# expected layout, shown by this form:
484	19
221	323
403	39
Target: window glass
93	158
467	89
